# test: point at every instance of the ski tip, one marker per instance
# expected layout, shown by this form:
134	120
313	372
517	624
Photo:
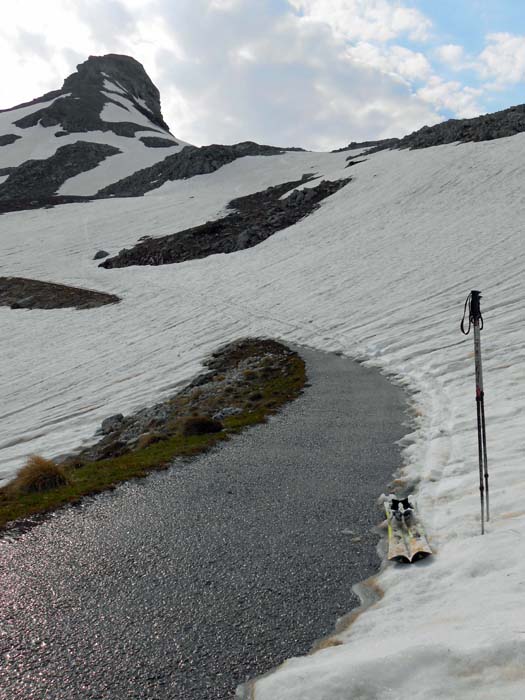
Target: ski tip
420	555
400	559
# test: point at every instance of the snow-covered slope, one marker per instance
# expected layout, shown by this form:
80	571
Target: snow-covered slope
109	100
379	272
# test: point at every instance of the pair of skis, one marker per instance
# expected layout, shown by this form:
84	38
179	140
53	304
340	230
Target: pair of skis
407	541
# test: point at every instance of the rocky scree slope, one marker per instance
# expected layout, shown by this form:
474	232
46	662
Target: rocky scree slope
189	162
254	218
486	127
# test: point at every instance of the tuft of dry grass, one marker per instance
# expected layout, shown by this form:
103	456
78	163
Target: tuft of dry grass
38	474
201	425
147	439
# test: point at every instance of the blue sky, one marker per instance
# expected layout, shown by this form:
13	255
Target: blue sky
314	73
467	23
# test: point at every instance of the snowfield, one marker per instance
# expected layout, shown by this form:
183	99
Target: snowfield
380	272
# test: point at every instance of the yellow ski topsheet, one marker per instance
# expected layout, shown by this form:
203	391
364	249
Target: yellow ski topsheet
407	542
397	542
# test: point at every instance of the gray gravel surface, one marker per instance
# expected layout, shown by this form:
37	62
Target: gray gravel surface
185	584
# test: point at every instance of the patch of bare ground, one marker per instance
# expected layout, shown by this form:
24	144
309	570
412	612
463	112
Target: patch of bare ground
23	293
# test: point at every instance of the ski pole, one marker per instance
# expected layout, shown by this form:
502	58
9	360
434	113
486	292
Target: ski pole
475	320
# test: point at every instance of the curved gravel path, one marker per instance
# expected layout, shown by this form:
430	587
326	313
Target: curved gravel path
184	584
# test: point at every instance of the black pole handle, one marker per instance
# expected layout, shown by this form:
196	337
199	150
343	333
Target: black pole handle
474	312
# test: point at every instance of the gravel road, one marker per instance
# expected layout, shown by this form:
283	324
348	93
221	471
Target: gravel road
183	585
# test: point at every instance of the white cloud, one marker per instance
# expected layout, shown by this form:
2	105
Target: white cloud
452	55
395	60
503	60
281	79
366	20
223	5
451	95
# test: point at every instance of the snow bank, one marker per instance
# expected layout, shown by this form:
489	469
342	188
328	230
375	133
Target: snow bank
379	272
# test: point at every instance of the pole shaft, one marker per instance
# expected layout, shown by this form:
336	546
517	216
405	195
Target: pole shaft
485	466
476	321
480	455
480	401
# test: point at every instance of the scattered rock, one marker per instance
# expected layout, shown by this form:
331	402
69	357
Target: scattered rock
227	412
201	380
221	391
109	425
100	254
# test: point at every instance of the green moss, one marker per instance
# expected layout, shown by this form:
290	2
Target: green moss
94	477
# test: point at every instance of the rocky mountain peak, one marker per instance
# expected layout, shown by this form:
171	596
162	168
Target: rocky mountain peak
106	118
118	75
99	82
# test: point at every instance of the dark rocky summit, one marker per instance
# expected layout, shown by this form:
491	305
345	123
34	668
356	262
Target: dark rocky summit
22	293
77	108
82	98
255	218
187	163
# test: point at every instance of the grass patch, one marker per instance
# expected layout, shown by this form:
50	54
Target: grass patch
200	425
75	480
37	475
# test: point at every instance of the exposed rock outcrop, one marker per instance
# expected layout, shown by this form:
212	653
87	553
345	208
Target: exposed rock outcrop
35	181
187	163
486	127
354	145
157	142
22	293
255	218
7	139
